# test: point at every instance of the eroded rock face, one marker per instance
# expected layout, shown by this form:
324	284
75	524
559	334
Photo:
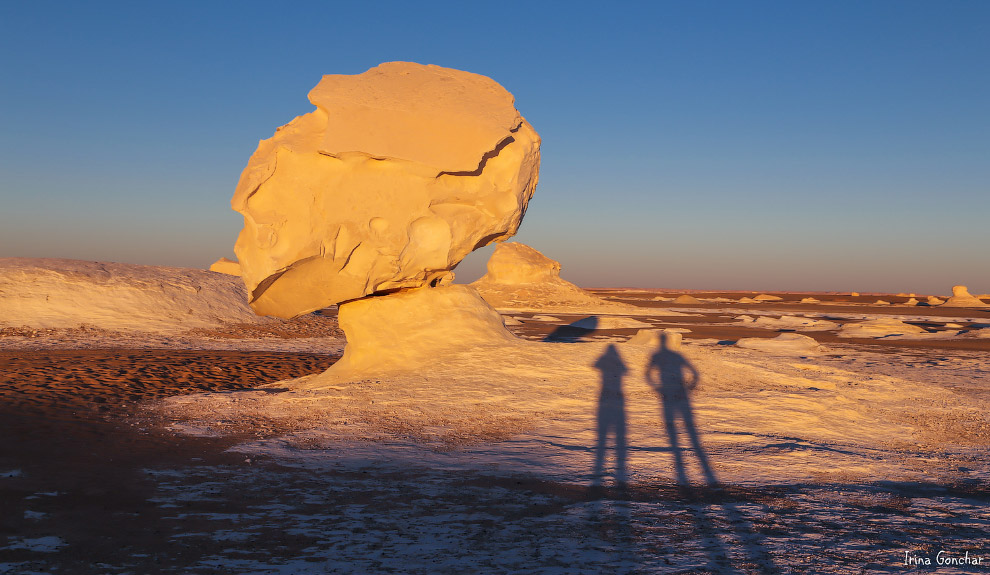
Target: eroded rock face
399	174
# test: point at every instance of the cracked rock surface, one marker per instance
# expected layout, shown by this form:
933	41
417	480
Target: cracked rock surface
399	173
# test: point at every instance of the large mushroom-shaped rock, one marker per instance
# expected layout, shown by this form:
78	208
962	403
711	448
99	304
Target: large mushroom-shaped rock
962	298
397	175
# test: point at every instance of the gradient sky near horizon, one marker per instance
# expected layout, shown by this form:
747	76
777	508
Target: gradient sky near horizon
831	146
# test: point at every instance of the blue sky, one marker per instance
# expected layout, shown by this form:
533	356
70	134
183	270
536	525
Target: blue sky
709	145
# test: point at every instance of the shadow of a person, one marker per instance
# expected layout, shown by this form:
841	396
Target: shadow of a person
672	376
611	415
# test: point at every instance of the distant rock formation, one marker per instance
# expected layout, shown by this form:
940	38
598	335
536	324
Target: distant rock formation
687	299
882	327
810	300
226	266
61	293
397	175
881	302
745	299
520	278
962	298
911	301
790	322
766	297
783	344
935	300
655	338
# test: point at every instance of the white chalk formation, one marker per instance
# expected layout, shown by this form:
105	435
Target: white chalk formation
398	174
406	331
767	297
687	299
877	328
788	322
783	344
372	199
658	338
520	278
962	298
61	293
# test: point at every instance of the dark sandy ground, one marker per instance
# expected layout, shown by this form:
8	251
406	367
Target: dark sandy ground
77	447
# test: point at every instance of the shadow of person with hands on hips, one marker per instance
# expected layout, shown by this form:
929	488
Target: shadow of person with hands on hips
673	377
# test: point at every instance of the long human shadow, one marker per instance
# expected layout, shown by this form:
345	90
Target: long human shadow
612	514
673	377
611	416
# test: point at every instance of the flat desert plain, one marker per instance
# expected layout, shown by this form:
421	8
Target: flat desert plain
590	447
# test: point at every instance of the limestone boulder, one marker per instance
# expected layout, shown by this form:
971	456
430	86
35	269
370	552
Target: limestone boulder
783	344
962	298
880	327
398	174
768	297
513	263
520	278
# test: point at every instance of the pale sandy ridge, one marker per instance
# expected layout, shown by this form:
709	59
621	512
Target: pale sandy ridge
62	293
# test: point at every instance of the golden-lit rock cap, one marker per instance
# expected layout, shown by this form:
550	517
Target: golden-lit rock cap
446	119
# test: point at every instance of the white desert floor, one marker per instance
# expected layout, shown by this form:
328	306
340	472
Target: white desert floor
865	456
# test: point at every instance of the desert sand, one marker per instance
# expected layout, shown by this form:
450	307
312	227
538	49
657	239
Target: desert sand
386	419
499	468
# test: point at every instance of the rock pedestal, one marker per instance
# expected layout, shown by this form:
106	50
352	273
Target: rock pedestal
410	330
